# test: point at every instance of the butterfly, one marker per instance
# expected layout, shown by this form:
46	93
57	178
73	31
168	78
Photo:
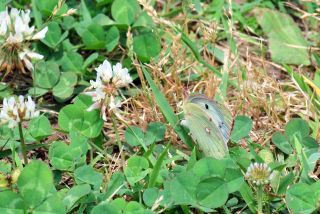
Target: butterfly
210	125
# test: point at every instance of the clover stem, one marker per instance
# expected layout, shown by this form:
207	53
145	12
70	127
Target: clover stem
23	145
114	124
260	199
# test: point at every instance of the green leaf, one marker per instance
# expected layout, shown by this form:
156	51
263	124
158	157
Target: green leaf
166	110
150	196
65	87
87	174
286	42
182	188
146	45
112	38
144	20
60	156
52	205
125	11
11	203
46	7
137	169
212	192
157	130
282	143
134	207
105	207
65	157
46	74
117	181
73	117
35	183
72	61
37	92
90	60
241	128
134	136
297	127
53	36
75	194
93	36
40	127
301	198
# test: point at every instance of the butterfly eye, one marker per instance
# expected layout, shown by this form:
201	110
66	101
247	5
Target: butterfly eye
206	106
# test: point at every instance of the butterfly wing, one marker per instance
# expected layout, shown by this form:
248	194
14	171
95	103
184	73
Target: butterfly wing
204	131
218	113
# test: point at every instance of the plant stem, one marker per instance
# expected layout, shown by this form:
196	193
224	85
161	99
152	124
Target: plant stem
114	124
23	145
260	199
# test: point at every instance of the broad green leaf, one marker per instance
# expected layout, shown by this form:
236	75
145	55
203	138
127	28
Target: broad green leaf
135	207
146	45
90	60
105	207
134	136
72	61
117	181
88	123
35	183
212	192
65	157
297	127
52	205
156	130
144	20
87	174
46	7
11	203
137	169
241	128
282	143
40	127
301	198
93	36
286	42
53	36
125	11
46	74
112	38
103	20
65	87
75	194
60	156
150	196
37	92
182	188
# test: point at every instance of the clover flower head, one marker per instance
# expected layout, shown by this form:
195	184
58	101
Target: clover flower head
15	38
112	76
108	81
15	111
259	173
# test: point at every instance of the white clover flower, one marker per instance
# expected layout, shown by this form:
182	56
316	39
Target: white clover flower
15	38
259	173
115	75
108	81
14	111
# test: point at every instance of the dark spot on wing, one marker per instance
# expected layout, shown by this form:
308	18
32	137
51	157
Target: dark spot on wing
206	106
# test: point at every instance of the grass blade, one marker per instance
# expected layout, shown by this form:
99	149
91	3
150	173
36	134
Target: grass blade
167	111
157	167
